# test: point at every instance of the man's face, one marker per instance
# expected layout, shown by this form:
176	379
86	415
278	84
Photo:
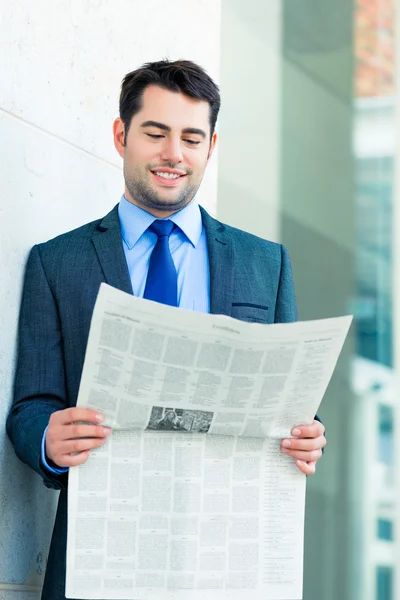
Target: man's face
166	150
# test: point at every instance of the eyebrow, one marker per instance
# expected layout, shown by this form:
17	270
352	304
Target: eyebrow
164	127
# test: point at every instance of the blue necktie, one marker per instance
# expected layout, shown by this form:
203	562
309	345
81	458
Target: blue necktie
162	280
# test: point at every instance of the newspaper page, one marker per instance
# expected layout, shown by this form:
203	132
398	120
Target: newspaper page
191	497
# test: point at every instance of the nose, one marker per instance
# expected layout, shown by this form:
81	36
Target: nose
171	150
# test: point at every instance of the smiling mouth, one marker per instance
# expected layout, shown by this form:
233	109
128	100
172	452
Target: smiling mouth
168	176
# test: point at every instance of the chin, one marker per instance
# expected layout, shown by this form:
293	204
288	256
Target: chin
168	204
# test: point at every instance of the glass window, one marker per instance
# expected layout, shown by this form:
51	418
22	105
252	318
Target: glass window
384	583
385	435
385	530
374	183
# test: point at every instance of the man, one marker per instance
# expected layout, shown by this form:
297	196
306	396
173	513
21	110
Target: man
157	243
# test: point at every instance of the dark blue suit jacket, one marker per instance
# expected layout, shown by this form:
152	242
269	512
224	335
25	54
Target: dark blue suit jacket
250	279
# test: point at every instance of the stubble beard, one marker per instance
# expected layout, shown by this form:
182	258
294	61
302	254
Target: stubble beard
146	196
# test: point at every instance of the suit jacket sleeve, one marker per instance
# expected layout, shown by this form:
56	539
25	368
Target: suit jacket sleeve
39	386
286	309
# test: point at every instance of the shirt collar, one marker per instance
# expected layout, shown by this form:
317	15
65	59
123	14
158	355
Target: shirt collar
134	221
189	221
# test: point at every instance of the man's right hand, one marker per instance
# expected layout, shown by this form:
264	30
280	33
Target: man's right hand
69	441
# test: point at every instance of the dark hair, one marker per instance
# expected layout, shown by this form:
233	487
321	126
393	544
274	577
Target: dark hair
181	76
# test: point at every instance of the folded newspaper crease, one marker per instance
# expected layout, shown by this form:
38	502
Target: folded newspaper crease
191	497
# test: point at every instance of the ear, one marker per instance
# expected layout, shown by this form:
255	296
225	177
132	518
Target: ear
119	136
212	145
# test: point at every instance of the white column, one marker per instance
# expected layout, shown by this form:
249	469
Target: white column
249	127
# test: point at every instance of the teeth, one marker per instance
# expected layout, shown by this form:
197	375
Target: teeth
168	175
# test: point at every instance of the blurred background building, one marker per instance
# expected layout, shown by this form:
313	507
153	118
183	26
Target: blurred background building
321	141
308	156
373	377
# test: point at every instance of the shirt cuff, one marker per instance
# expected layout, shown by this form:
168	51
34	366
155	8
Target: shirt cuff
45	464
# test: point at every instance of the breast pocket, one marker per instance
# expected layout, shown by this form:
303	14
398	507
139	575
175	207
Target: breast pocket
253	313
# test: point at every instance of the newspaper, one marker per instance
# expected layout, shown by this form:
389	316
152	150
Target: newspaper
191	498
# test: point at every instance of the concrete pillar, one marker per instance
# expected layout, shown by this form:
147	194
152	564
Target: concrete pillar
61	67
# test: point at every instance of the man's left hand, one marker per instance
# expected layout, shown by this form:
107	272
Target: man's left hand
305	446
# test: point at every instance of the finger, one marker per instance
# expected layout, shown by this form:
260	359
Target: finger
305	456
316	429
304	444
80	445
69	415
61	433
68	460
306	468
79	430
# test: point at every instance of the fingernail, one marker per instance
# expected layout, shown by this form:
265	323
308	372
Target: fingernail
107	430
286	443
285	450
300	463
99	417
296	432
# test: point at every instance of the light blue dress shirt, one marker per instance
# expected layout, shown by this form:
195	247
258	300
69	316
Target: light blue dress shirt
188	245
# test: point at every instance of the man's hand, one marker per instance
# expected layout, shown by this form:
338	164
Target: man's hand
306	447
68	441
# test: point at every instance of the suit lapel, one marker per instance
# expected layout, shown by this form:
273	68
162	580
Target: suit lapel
221	258
108	245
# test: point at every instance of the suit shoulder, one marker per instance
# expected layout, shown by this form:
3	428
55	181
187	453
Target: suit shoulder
84	232
77	241
253	242
70	248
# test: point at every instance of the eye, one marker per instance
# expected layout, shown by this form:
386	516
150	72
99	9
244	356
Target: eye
192	142
154	136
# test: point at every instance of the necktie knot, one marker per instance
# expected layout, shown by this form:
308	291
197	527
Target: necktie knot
162	227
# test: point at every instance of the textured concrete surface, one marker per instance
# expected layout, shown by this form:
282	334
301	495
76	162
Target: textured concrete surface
18	595
63	64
